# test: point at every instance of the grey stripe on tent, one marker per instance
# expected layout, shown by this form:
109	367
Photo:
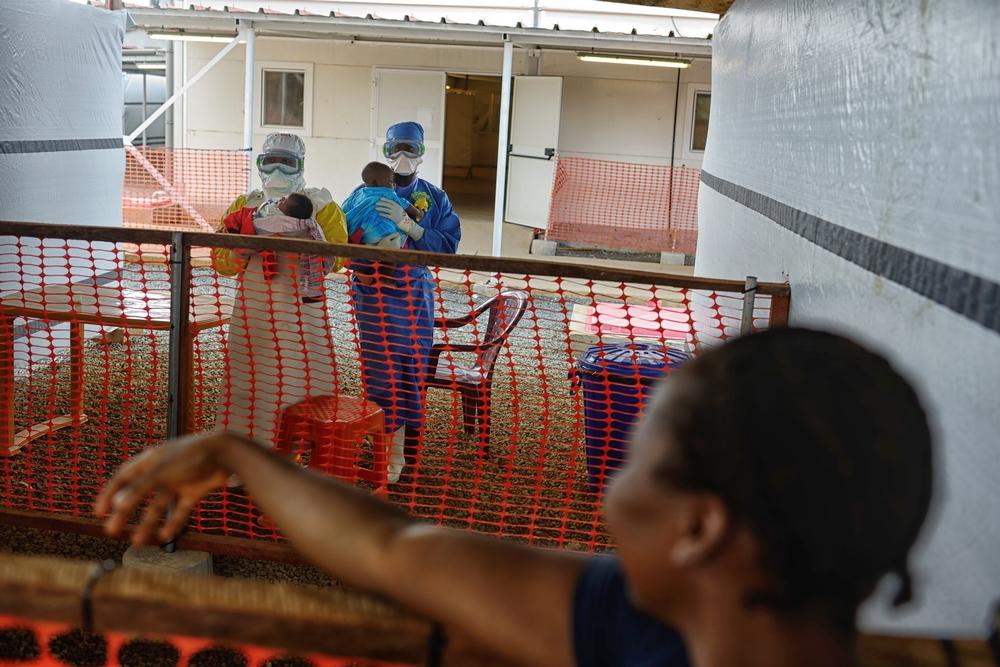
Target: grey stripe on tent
59	145
962	292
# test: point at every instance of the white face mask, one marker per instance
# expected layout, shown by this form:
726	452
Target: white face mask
404	166
277	184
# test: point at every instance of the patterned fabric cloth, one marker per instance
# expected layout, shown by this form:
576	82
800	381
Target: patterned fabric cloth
311	269
359	208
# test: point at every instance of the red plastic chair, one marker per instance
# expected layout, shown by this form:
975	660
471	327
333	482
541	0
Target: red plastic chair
334	427
474	382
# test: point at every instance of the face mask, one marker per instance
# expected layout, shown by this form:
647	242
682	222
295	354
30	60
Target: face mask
404	165
277	184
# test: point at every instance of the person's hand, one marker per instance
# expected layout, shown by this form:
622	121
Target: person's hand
181	472
391	210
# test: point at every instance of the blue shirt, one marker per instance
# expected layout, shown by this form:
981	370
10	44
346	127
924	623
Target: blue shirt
359	209
609	632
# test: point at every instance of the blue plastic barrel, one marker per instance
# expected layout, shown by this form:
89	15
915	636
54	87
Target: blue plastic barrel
615	380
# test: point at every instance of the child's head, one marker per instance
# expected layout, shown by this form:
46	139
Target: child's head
296	205
377	174
795	464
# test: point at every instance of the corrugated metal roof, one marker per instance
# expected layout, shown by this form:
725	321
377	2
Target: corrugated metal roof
555	16
404	29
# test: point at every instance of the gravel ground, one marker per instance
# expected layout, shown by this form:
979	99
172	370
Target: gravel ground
531	486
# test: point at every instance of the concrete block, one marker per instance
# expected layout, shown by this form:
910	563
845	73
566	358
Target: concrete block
543	247
675	258
154	558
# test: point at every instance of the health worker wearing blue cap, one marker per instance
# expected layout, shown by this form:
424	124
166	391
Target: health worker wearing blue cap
395	314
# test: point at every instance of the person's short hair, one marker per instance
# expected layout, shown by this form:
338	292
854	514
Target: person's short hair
299	206
820	447
375	170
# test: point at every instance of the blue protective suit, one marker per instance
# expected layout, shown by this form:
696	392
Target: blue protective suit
395	317
359	208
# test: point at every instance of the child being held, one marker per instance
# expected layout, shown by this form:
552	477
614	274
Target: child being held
290	216
364	224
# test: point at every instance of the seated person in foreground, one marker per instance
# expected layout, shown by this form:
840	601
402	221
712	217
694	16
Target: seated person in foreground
367	226
759	507
290	217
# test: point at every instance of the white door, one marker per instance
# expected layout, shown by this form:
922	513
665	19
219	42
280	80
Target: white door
534	135
400	95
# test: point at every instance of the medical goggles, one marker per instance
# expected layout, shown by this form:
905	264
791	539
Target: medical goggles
407	148
286	164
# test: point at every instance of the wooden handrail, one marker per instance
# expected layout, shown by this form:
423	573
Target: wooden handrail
310	619
237	611
504	265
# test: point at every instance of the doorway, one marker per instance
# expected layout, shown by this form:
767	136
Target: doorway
472	127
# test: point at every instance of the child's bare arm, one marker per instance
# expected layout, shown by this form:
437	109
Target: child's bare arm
414	213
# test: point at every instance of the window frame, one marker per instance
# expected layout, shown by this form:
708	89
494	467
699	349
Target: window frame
307	97
693	90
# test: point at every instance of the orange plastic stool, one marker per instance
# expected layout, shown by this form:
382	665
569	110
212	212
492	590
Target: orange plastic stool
335	427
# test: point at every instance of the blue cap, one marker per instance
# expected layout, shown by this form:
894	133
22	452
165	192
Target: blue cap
405	132
647	360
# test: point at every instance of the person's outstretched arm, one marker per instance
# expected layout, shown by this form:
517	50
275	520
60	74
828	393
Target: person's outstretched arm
512	598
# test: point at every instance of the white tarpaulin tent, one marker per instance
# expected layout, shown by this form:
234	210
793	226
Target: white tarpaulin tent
853	149
61	155
61	86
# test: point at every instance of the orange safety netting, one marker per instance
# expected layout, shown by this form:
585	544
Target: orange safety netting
40	643
181	188
510	415
626	206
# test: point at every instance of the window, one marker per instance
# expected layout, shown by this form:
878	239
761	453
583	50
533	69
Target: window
694	136
284	97
699	129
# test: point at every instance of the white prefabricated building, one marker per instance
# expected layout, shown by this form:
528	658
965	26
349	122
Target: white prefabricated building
360	75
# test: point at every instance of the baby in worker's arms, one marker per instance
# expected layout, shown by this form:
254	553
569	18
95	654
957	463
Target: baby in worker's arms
364	224
290	216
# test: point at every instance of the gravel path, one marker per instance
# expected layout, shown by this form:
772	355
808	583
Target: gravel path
532	486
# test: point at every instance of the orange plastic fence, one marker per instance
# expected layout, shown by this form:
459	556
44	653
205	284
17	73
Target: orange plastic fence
181	188
622	205
513	417
31	642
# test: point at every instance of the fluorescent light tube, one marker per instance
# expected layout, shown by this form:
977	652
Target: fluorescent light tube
188	37
150	65
632	60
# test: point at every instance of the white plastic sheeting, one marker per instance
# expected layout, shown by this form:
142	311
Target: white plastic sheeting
61	90
854	150
61	154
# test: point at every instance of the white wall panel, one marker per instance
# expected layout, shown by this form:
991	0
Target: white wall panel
879	120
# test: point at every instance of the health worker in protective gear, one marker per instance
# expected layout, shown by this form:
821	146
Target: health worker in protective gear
280	347
395	312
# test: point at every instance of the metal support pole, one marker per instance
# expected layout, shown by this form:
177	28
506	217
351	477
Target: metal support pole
145	110
187	84
180	364
168	126
179	352
248	84
534	15
503	145
749	296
